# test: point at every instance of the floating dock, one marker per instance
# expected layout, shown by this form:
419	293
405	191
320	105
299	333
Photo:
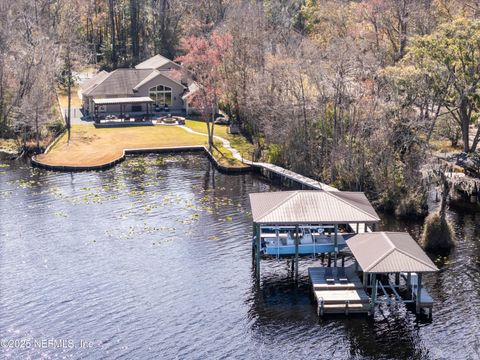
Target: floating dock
338	297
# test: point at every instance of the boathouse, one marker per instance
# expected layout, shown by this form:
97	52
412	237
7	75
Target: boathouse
306	222
389	258
292	224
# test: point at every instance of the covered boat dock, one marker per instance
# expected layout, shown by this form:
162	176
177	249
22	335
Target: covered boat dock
307	222
390	261
291	224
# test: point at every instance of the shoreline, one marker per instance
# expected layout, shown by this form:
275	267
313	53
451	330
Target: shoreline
268	170
140	151
99	149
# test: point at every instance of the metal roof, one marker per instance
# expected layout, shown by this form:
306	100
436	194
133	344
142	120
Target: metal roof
311	207
126	100
389	252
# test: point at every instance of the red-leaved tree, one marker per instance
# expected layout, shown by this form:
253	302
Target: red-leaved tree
205	58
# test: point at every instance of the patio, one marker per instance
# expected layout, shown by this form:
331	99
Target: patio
113	111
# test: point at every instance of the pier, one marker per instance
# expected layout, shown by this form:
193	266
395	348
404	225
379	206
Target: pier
383	256
391	265
338	291
307	223
289	178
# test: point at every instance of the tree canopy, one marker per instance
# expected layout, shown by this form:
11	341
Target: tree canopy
450	59
353	93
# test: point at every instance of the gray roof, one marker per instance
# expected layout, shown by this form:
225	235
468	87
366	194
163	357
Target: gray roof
119	82
156	62
311	207
125	82
389	252
192	89
93	81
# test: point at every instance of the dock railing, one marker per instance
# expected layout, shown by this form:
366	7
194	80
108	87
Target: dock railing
338	304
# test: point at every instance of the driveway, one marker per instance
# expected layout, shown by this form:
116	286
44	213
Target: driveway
76	116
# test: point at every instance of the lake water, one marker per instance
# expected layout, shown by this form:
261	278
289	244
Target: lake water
152	260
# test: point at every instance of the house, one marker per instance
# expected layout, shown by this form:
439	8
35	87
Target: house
155	85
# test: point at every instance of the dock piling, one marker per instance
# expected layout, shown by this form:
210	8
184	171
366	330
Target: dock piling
374	292
297	241
419	293
258	249
335	245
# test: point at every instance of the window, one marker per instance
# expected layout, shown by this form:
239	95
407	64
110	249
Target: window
161	95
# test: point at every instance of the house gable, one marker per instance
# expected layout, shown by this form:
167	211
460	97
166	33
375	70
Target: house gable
160	79
158	62
177	89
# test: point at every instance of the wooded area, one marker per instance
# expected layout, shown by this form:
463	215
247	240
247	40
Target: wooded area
353	93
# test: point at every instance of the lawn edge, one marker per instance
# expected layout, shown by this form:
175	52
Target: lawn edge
136	151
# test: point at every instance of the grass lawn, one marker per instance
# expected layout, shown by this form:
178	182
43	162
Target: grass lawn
63	97
236	141
90	146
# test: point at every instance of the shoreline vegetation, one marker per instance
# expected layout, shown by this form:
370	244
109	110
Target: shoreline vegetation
357	95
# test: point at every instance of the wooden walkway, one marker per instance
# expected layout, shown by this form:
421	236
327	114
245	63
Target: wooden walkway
267	169
338	298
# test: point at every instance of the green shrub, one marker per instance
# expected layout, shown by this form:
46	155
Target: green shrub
438	234
273	153
412	205
55	127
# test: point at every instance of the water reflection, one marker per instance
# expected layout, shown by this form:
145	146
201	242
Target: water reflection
287	312
152	259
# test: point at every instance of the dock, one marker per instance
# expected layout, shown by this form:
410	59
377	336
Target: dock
425	301
310	222
338	297
271	172
310	229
